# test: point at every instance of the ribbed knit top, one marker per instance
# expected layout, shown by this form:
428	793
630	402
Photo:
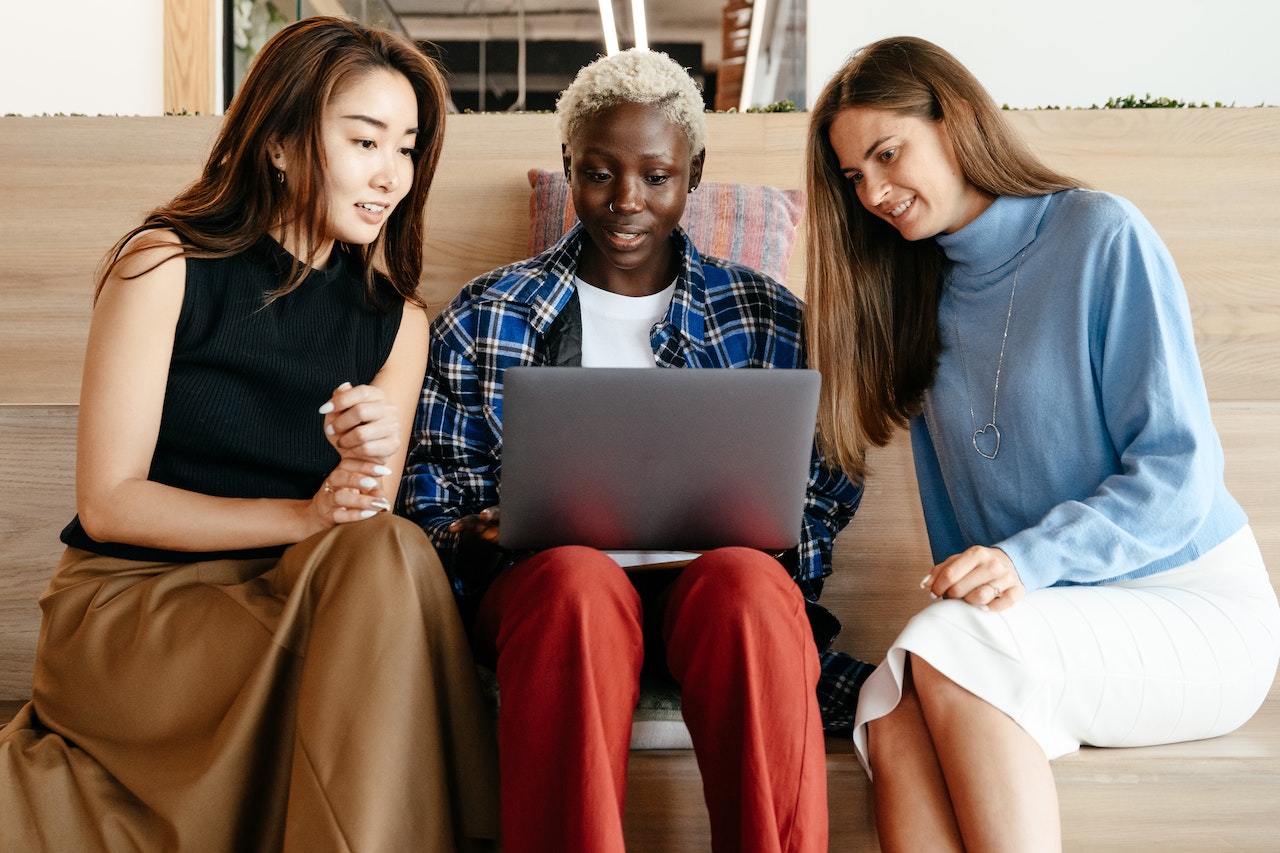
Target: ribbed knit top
1109	466
247	378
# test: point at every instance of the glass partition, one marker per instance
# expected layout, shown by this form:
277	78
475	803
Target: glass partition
250	23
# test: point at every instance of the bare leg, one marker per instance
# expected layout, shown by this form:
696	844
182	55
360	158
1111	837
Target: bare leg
913	808
999	780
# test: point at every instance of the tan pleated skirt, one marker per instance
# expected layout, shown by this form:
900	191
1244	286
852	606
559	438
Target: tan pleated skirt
323	701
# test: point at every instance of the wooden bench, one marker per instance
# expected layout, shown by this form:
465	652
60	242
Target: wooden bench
1208	179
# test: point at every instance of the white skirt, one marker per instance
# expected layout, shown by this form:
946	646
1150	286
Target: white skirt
1184	654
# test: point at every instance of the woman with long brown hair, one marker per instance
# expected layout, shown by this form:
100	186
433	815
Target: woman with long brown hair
1094	581
242	648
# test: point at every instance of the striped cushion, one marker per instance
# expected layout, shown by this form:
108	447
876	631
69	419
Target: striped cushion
746	223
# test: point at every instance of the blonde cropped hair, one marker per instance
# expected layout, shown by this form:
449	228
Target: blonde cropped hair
634	76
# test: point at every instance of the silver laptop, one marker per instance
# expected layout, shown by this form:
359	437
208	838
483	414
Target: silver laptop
655	459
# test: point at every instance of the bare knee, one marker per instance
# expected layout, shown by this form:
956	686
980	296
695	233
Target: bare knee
905	724
936	693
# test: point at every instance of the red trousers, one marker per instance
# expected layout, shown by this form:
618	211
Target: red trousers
566	628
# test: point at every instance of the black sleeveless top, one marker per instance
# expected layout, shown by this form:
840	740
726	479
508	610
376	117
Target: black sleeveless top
247	377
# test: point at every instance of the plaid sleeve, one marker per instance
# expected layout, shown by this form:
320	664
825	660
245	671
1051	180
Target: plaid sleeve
830	502
452	468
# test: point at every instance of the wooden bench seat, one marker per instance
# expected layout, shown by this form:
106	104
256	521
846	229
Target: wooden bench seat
1208	179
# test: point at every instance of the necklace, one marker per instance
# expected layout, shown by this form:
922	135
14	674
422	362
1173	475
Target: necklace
989	435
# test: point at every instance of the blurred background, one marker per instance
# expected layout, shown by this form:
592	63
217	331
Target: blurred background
519	54
148	57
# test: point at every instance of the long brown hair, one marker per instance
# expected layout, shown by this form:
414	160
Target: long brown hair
238	197
871	324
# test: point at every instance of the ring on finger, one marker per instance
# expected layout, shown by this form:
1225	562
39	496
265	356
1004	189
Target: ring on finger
995	591
327	487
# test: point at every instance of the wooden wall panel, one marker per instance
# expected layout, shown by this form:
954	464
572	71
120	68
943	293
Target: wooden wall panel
37	462
191	57
1208	179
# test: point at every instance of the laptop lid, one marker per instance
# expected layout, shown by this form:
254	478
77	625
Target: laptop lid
655	459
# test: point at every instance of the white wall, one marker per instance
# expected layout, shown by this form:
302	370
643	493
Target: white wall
1076	53
96	57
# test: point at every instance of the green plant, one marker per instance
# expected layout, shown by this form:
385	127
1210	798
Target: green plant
1130	102
783	106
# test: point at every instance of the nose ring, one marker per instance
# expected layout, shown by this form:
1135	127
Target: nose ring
611	210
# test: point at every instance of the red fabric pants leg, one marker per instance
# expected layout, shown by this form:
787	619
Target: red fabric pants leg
564	627
740	645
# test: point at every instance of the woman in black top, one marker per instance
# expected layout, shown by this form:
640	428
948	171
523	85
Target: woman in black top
242	649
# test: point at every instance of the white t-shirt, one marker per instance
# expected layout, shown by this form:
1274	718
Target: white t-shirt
616	332
616	328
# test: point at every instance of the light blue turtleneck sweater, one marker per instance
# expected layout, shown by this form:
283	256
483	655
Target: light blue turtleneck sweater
1109	466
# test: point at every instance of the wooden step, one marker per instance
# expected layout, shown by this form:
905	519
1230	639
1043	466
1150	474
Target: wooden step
1213	795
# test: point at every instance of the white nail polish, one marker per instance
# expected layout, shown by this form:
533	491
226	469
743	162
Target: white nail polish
381	503
924	581
326	408
367	482
368	513
933	596
382	470
328	430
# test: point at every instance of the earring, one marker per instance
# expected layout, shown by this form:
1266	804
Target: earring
692	188
279	177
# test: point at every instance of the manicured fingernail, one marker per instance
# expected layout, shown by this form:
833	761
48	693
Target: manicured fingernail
328	429
381	470
367	482
381	503
924	582
326	408
368	513
344	386
933	596
984	607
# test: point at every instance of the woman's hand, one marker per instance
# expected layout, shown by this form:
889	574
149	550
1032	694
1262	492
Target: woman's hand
353	491
362	423
483	526
983	577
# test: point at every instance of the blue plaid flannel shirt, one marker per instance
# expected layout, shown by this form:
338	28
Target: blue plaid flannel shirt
721	315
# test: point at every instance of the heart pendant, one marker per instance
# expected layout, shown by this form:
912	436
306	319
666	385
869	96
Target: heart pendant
986	440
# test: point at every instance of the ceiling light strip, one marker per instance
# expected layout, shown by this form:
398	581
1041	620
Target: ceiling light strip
639	25
610	28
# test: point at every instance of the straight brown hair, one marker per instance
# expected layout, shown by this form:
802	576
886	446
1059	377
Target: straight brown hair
871	323
238	198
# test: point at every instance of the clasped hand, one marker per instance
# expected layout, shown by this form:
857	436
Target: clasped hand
364	427
983	577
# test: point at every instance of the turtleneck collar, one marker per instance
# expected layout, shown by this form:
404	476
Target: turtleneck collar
989	243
